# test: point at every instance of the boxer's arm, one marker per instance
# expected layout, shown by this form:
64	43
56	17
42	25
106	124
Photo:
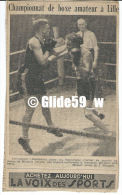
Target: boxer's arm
73	66
96	50
36	48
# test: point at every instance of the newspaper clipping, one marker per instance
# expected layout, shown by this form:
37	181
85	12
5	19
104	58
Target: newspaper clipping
61	130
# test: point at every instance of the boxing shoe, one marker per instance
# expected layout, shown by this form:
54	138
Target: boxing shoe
55	131
25	145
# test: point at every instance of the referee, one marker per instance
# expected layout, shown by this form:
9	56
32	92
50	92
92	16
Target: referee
89	40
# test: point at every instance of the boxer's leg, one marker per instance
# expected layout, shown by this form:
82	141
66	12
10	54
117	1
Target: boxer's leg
92	87
47	115
60	70
24	140
83	88
27	118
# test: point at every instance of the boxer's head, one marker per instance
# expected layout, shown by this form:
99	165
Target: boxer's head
82	25
41	26
73	41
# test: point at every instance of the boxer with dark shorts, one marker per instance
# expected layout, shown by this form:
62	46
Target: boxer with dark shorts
82	63
36	59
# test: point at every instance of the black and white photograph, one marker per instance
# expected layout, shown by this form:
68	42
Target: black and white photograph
61	127
62	93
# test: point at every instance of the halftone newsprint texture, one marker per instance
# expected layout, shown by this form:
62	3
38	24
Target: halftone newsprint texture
62	96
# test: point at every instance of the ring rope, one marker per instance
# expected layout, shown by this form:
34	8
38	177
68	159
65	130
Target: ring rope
73	132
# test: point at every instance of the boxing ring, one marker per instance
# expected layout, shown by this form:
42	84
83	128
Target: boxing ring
102	136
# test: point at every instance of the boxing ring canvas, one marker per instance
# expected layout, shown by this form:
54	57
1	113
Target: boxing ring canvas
81	137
